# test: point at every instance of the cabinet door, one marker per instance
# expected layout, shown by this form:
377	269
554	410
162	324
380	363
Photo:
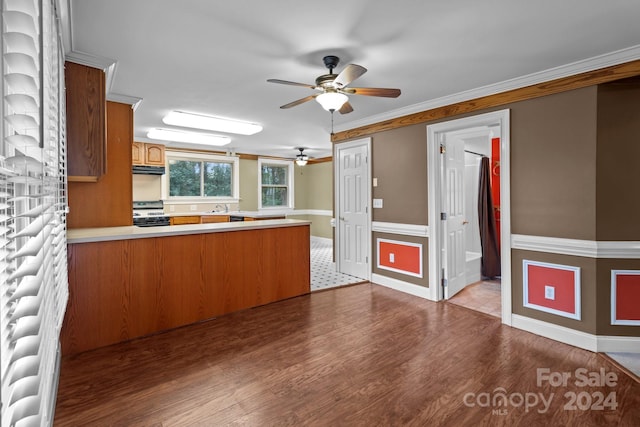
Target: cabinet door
86	122
137	153
154	154
208	219
180	220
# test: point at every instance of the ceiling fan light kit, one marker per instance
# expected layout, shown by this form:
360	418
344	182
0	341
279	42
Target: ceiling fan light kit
301	159
333	88
332	101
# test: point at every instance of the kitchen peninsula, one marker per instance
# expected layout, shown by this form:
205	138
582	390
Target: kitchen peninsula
127	282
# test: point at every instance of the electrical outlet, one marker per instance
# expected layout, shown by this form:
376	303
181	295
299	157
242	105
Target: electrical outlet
549	292
193	207
392	258
172	208
377	203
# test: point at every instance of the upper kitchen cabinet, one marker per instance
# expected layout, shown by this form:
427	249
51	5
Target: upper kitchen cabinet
86	122
147	154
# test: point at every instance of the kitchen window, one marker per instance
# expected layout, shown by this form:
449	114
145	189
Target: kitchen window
201	176
275	183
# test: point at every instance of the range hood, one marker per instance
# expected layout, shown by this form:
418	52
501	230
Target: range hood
148	170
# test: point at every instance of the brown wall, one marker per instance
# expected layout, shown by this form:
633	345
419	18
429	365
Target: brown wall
617	160
107	203
400	164
573	168
553	155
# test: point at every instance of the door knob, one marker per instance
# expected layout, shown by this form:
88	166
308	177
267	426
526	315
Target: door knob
465	222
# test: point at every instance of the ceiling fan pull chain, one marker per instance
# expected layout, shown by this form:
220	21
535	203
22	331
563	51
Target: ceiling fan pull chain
332	123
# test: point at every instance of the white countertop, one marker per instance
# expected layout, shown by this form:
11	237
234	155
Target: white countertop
104	234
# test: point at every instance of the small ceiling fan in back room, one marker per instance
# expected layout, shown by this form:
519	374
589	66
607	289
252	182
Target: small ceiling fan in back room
334	88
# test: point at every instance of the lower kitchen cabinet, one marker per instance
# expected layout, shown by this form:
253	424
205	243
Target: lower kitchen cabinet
124	289
209	219
181	220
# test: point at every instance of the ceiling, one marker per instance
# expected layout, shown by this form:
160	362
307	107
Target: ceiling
214	58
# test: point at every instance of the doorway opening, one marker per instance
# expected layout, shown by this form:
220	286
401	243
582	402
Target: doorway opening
469	245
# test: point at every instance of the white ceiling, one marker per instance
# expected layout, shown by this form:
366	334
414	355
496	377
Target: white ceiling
214	57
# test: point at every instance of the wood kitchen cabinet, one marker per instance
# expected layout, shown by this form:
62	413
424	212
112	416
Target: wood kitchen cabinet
107	202
124	289
181	220
209	219
137	153
250	218
86	122
143	153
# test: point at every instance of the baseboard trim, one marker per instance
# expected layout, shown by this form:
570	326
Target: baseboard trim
595	343
399	285
609	344
555	332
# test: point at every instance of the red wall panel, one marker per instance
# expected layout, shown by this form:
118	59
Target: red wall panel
563	279
407	258
625	297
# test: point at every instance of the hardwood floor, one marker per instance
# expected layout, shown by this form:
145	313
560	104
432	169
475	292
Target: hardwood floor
362	355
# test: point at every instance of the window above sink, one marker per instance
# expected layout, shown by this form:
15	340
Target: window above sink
201	178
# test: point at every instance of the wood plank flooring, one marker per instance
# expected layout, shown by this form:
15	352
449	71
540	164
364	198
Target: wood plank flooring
362	355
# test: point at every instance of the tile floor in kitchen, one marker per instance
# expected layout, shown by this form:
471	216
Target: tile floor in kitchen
323	269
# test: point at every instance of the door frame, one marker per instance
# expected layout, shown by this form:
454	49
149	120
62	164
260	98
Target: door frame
366	142
434	168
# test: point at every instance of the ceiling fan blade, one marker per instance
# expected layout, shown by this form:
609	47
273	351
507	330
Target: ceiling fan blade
346	108
286	82
299	101
349	74
373	91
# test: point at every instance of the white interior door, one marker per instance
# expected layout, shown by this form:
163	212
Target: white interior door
352	222
453	242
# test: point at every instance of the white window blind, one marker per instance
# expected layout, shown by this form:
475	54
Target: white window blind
33	260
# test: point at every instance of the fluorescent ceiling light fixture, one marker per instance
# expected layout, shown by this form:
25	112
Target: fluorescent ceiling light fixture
332	101
199	121
189	137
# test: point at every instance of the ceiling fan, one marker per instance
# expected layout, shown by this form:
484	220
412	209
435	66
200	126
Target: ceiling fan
334	88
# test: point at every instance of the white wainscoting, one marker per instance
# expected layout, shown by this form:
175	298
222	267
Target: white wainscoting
575	247
402	229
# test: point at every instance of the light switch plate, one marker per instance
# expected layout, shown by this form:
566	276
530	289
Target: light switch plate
375	182
377	203
392	258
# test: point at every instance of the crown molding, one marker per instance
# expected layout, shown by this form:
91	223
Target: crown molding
63	12
134	101
602	61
